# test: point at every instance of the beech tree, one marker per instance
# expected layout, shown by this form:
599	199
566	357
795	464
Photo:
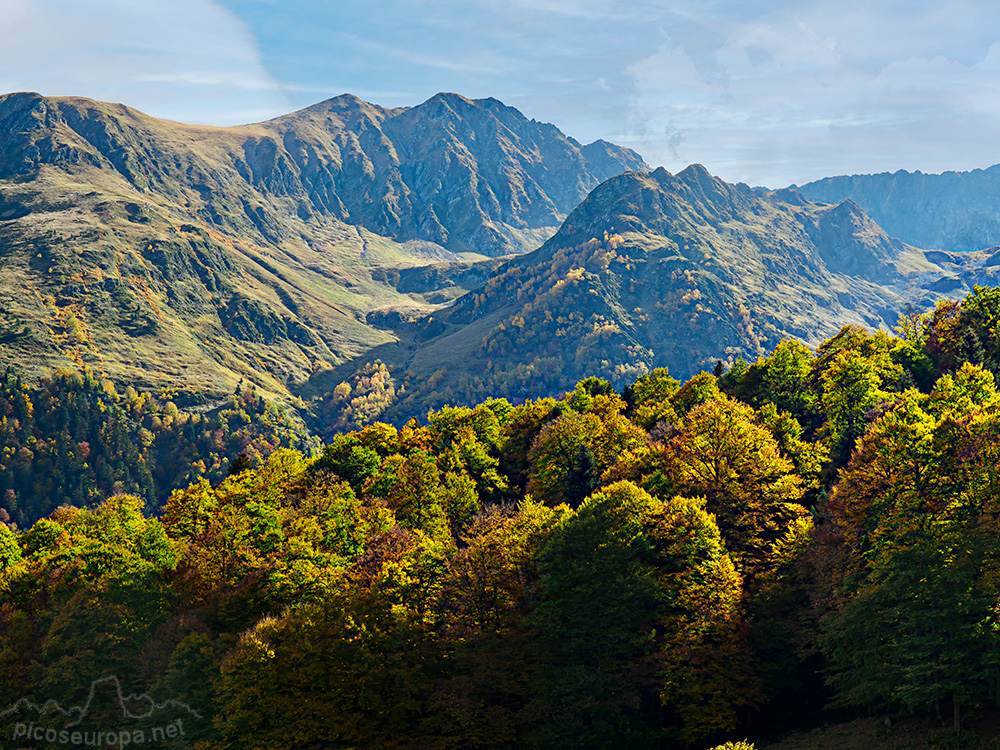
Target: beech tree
640	629
595	615
648	399
706	670
724	455
917	514
403	591
563	468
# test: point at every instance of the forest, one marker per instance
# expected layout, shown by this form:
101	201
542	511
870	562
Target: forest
672	565
73	439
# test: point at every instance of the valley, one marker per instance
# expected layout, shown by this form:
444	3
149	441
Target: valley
462	247
432	427
163	254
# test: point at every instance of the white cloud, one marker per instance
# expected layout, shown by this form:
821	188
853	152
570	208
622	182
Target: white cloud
793	95
188	60
768	92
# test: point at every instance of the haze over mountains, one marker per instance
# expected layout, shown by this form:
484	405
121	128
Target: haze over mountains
298	252
949	211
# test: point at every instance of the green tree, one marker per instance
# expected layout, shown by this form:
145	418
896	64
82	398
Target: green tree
640	634
724	455
563	469
912	620
851	387
595	616
699	389
415	496
706	670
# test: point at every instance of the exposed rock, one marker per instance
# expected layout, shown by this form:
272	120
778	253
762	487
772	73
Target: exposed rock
469	175
949	211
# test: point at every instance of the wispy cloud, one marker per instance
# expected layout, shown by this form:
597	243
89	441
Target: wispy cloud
183	59
794	95
487	62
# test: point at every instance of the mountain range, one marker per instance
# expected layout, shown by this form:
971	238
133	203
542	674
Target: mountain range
180	256
369	262
661	270
948	211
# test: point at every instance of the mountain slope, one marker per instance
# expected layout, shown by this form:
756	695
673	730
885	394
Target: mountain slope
468	175
180	256
948	211
665	270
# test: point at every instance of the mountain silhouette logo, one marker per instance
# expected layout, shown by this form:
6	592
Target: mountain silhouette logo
53	723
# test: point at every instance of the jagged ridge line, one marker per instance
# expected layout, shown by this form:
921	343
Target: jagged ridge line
82	711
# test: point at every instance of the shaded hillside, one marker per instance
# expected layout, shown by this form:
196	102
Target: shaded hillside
660	270
74	440
949	211
468	175
170	255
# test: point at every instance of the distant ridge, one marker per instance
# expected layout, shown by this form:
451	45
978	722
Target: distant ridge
947	211
408	257
170	255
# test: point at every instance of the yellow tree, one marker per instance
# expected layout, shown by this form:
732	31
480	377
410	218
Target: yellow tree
725	456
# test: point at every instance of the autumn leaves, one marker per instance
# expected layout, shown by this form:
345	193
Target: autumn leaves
650	569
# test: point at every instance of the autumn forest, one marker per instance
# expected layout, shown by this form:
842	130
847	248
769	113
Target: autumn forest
670	566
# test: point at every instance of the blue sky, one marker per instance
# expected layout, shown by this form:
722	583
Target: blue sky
768	93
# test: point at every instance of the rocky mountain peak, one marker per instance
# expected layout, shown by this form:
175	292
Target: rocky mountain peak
655	269
469	175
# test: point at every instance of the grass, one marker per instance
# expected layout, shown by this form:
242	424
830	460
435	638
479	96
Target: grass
55	261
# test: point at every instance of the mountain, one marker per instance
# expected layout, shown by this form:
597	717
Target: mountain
948	211
186	257
468	175
657	270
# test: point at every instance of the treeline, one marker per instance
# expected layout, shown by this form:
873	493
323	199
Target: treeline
587	310
562	329
670	566
74	439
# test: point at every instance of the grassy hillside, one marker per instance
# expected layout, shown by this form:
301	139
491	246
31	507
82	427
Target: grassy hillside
895	733
659	270
171	255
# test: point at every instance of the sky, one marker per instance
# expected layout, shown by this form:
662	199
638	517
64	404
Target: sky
770	93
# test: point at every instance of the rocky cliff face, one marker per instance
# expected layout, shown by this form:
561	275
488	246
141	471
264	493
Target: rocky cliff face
657	270
470	176
949	211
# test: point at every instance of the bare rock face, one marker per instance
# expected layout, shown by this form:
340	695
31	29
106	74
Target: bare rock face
468	175
949	211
